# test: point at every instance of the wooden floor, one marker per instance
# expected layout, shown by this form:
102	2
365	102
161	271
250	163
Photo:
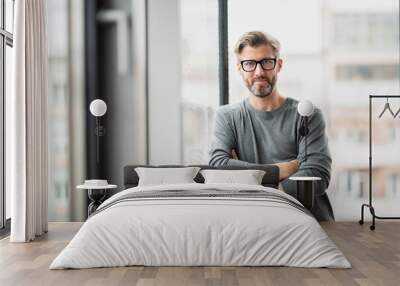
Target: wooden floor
374	255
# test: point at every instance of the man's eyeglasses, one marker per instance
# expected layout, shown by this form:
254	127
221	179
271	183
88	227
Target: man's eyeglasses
251	65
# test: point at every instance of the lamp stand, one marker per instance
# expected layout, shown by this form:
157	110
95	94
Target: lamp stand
305	137
304	132
100	131
97	140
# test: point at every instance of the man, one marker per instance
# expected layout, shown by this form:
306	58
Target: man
264	128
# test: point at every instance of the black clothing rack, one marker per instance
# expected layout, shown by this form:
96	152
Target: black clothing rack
369	205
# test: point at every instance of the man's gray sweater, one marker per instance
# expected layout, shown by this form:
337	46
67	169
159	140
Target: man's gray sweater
261	137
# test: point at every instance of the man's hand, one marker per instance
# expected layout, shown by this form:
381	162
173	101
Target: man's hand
234	155
286	169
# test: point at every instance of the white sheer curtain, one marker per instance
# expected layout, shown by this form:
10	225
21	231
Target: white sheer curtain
26	117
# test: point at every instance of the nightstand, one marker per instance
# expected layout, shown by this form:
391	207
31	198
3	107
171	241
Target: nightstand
96	195
305	190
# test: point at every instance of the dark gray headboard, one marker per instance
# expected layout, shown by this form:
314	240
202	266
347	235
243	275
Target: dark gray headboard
271	177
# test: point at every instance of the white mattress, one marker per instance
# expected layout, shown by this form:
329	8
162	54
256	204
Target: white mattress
200	231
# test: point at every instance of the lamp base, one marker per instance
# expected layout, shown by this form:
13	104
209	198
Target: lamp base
305	193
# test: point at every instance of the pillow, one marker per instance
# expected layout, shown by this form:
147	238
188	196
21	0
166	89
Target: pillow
163	176
248	177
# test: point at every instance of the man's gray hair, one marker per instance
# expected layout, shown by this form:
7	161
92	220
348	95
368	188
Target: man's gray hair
255	39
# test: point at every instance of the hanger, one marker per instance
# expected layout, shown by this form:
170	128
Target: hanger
397	113
387	107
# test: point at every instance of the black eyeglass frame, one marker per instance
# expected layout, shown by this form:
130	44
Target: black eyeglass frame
258	62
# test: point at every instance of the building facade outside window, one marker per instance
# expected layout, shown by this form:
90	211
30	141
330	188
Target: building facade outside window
339	53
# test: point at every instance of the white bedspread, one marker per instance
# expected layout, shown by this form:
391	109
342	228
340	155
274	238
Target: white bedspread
200	231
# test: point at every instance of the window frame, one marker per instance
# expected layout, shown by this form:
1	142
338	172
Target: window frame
223	52
6	39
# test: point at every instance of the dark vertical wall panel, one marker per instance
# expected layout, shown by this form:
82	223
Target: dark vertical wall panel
223	52
94	169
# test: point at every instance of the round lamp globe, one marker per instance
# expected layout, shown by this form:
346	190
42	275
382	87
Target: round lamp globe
305	108
98	107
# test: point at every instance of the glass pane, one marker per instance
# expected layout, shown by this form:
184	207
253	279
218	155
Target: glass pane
9	15
244	18
8	82
200	98
58	101
344	53
366	31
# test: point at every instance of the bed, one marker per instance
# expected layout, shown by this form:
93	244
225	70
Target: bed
198	224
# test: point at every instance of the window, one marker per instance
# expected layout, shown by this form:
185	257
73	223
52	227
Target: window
58	111
366	31
393	186
394	133
6	44
367	72
353	183
326	47
302	71
199	84
333	48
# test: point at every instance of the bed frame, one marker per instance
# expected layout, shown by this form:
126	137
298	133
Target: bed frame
270	179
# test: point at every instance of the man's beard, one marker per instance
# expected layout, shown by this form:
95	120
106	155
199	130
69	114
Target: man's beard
264	91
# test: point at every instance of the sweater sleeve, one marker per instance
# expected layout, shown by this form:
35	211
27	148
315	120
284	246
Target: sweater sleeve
319	160
223	140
